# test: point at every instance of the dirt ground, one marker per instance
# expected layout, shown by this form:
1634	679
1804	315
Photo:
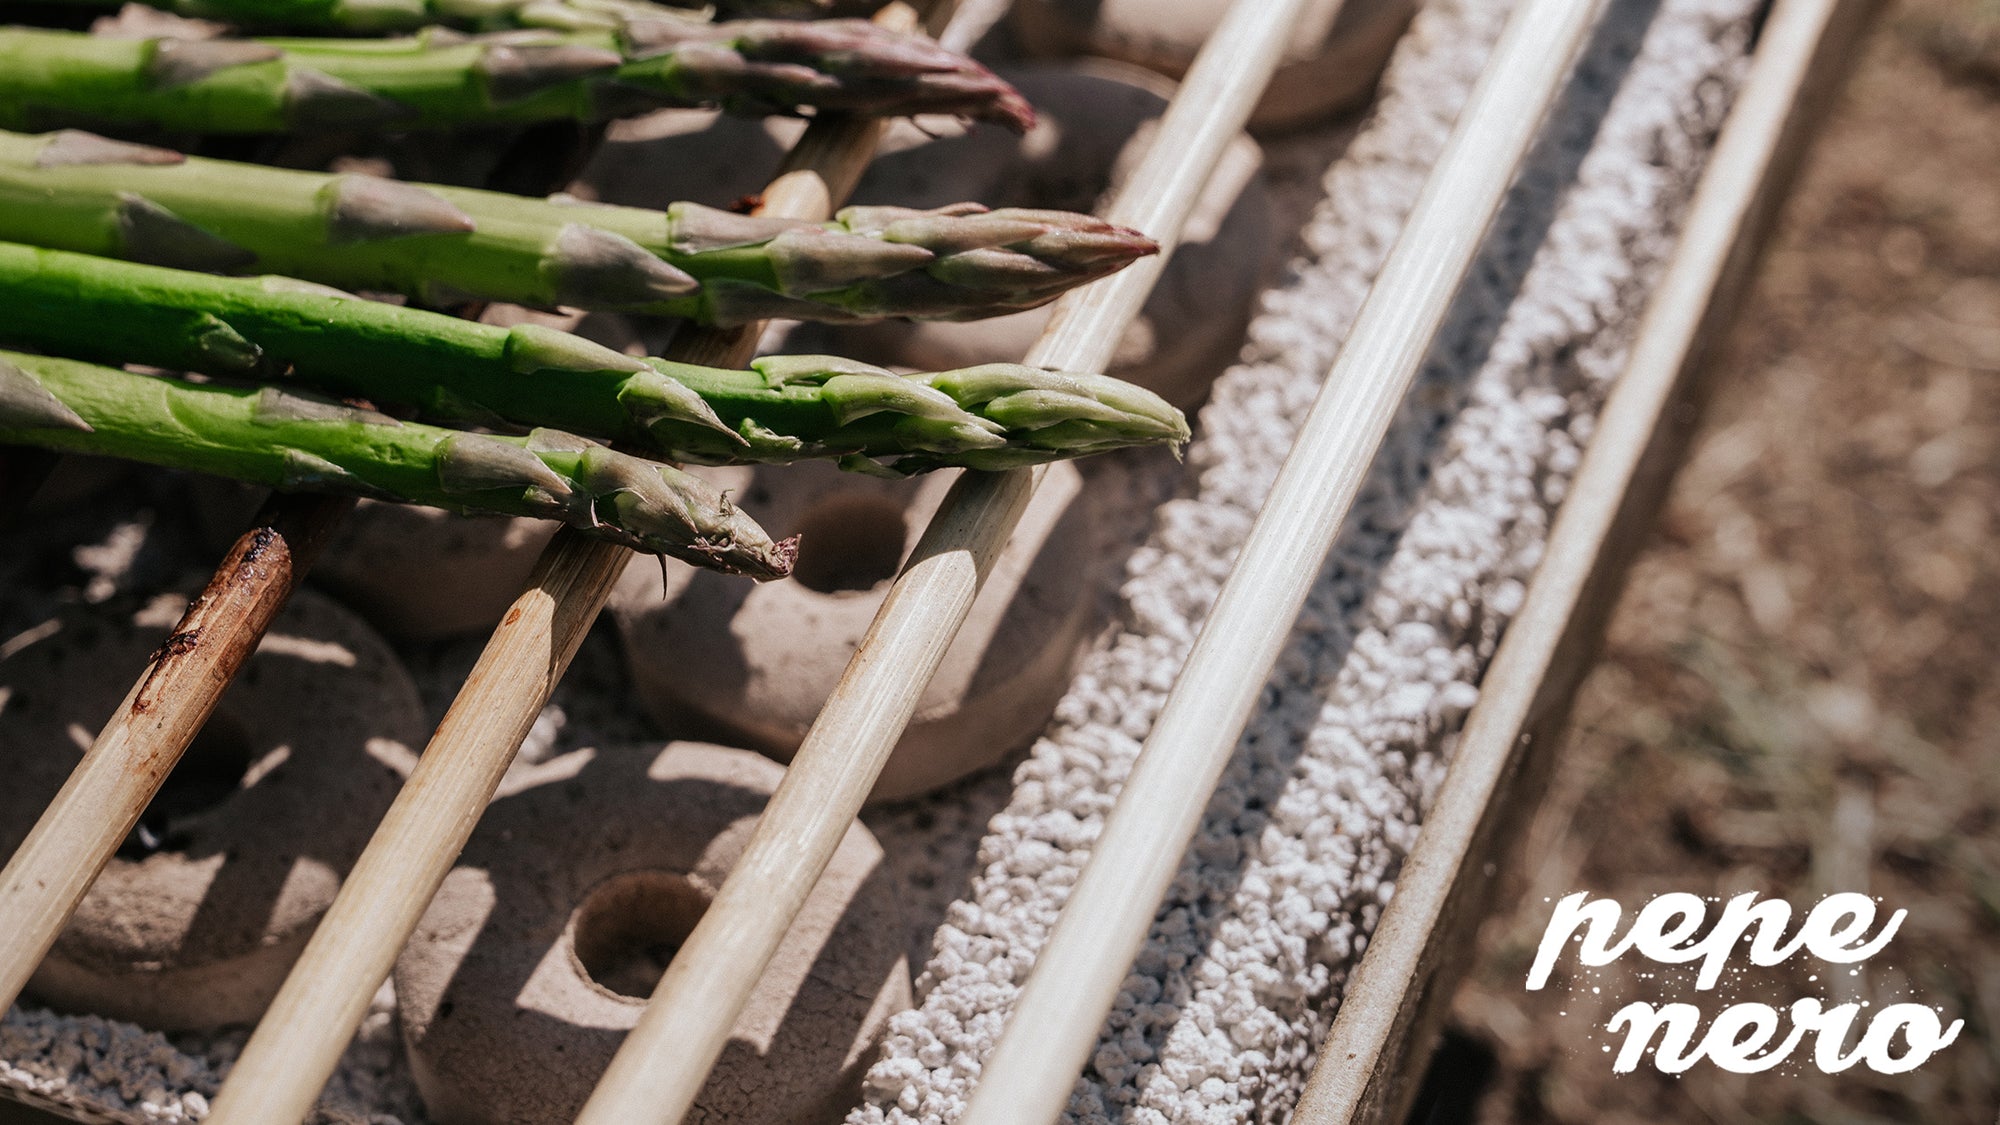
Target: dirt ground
1798	694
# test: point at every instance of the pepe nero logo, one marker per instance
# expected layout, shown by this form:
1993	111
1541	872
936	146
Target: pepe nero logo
1744	1038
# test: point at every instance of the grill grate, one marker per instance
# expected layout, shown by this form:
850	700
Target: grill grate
666	1058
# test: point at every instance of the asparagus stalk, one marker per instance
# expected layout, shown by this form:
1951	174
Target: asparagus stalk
441	79
786	408
374	17
76	191
287	440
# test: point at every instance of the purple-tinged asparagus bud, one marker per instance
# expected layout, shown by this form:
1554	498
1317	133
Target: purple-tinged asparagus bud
276	406
955	235
1029	399
658	508
24	402
857	396
516	71
1071	244
177	62
148	232
693	228
652	396
477	463
312	98
809	259
998	271
72	147
363	208
594	268
830	64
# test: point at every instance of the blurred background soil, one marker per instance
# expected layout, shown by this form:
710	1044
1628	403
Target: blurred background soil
1798	694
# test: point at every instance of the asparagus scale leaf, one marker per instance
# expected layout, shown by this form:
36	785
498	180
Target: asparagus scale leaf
284	439
442	79
784	409
76	191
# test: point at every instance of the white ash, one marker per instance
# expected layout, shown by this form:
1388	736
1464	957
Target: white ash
1298	852
93	1069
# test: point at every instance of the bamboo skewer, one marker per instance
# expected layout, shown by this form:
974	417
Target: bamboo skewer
1802	49
1100	931
300	1039
130	758
664	1061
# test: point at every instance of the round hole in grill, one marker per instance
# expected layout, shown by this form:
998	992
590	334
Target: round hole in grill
206	775
630	926
850	543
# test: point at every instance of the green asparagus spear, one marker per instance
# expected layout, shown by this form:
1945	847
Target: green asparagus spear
374	17
76	191
283	439
785	409
442	78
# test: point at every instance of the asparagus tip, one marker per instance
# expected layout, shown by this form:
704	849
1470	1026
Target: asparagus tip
1013	110
784	555
839	64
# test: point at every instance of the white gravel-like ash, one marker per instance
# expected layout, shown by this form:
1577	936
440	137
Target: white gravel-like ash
1299	850
98	1070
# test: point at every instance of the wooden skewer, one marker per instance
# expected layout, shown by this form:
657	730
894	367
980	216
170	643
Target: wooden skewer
298	1043
664	1061
1380	1031
82	828
1100	931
